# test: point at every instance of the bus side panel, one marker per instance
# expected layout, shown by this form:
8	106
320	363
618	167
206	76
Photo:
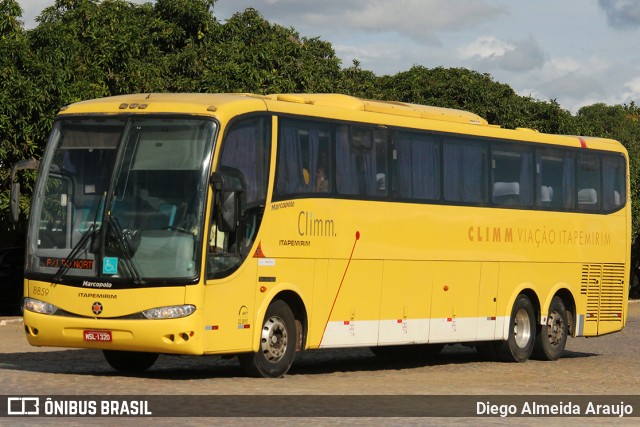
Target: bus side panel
405	303
277	275
229	315
454	303
489	324
350	302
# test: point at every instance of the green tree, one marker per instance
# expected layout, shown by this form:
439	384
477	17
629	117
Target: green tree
24	119
358	82
476	92
249	54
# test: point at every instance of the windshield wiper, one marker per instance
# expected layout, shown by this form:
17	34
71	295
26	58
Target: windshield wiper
66	263
123	248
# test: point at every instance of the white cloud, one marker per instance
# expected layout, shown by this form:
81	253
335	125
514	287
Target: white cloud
420	20
632	89
565	64
515	55
485	47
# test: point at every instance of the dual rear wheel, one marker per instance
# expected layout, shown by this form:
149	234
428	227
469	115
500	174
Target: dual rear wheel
525	339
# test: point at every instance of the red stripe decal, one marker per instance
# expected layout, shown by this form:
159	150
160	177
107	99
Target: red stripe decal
346	322
583	143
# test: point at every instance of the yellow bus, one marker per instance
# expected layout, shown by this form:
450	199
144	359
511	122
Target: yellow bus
260	226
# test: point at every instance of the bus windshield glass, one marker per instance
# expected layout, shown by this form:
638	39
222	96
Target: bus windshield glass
121	201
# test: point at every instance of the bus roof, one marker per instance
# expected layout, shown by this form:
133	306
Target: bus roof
204	103
228	105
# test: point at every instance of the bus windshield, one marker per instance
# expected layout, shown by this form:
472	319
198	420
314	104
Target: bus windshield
121	200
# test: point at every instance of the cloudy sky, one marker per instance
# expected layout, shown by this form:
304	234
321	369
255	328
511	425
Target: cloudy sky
578	52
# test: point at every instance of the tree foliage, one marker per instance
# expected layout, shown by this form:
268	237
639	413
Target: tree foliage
84	49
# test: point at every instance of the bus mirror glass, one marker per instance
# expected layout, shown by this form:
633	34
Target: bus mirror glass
15	186
15	202
228	213
227	188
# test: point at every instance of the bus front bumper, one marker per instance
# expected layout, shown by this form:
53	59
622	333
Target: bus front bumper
173	336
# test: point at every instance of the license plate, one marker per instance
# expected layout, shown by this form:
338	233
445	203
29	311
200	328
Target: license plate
102	336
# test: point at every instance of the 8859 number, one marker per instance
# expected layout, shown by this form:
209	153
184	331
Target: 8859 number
40	291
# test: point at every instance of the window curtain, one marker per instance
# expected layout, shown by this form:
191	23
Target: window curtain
463	167
526	179
290	178
370	168
314	148
568	181
239	152
346	175
419	167
613	195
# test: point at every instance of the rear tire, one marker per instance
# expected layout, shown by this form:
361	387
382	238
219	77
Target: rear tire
522	333
552	339
130	361
277	344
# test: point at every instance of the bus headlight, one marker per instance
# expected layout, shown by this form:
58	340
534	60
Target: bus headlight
38	306
170	312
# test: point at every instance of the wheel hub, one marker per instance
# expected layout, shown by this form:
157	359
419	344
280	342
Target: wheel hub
555	328
274	339
522	328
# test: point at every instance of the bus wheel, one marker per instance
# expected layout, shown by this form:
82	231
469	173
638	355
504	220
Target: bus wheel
277	344
552	338
130	361
522	332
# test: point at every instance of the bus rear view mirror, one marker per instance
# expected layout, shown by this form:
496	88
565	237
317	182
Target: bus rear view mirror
228	213
15	202
15	186
226	204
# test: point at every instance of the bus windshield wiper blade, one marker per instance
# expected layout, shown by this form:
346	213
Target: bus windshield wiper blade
123	247
76	250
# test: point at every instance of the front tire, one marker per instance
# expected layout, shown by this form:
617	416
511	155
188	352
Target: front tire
130	361
522	332
277	344
552	339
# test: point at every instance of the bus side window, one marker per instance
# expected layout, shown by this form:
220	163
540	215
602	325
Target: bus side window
549	178
588	184
613	181
464	171
512	175
244	161
361	161
417	166
304	160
